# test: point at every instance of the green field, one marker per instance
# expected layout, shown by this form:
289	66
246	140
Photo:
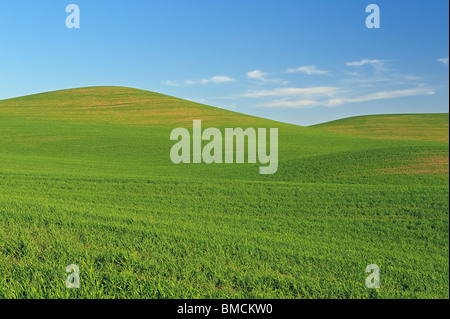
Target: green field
86	179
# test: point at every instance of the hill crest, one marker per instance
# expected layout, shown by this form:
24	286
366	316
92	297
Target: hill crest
124	105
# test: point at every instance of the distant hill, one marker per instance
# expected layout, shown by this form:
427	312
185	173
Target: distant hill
120	105
419	127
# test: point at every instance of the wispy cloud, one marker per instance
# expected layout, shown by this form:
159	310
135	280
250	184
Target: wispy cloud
329	96
364	62
372	80
308	69
443	61
262	77
218	79
293	97
378	65
297	104
365	80
381	96
292	91
257	75
377	74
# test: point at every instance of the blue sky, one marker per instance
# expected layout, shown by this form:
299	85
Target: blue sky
301	62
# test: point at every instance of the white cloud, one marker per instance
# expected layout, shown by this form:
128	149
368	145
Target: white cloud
218	79
364	62
369	80
257	75
290	91
297	104
443	61
308	69
377	65
262	76
381	96
221	79
328	96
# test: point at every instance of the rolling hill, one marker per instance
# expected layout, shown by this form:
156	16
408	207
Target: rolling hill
86	179
419	127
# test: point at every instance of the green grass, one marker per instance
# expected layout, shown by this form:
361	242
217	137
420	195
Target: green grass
86	179
423	127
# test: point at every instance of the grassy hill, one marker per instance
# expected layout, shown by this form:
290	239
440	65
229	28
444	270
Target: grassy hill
419	127
86	179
